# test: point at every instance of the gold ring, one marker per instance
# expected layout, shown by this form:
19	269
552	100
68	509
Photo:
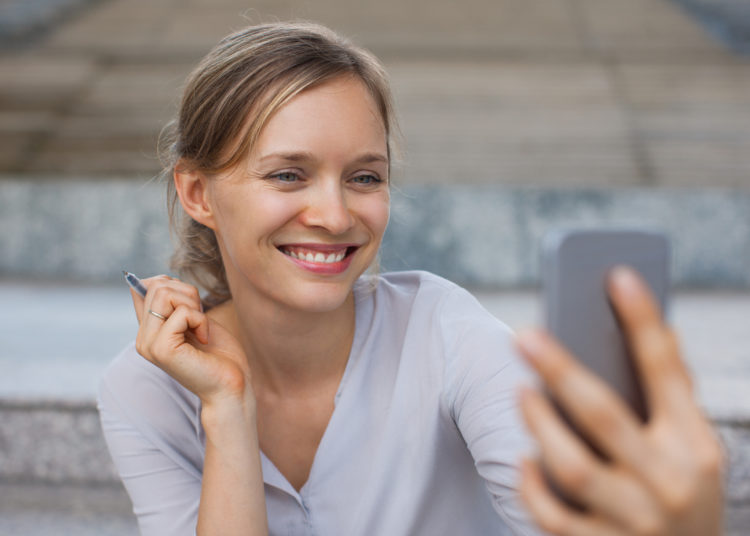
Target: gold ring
157	315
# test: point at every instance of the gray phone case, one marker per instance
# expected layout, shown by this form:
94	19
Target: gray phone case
575	265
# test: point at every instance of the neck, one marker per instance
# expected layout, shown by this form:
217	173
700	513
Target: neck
290	352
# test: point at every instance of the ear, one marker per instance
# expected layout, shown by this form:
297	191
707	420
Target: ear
192	189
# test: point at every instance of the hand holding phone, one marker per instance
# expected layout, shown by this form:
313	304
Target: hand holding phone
630	476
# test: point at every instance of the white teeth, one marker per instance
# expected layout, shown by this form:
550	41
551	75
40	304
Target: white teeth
318	257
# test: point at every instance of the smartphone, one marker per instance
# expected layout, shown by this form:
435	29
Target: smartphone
575	266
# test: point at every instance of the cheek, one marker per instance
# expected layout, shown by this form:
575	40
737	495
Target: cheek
252	213
375	214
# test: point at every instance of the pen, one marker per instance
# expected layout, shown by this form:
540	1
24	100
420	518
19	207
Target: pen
135	283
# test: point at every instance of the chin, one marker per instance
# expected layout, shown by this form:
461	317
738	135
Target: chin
321	298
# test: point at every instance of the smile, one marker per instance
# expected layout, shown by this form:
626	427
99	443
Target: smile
328	256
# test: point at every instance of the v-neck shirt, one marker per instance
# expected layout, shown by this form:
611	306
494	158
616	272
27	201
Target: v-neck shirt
424	438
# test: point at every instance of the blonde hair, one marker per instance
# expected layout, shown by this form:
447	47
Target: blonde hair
228	99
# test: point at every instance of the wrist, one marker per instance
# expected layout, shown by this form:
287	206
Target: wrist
227	410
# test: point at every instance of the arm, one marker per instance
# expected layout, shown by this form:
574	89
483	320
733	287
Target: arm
663	477
163	482
483	375
232	495
207	360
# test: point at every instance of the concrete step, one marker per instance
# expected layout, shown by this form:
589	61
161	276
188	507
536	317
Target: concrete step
729	20
576	92
58	339
478	235
35	509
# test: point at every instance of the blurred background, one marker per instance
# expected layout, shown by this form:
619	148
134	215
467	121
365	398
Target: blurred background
518	116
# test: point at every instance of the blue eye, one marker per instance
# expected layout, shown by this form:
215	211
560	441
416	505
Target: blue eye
286	176
367	179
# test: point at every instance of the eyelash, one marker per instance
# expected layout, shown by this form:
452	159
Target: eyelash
278	176
371	179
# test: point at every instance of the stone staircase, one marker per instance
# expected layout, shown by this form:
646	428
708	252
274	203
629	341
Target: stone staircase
519	116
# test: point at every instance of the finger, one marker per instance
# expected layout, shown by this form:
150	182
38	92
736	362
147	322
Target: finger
183	321
171	341
609	492
138	300
654	345
164	296
154	323
550	513
601	415
173	352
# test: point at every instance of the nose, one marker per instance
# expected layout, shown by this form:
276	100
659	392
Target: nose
327	208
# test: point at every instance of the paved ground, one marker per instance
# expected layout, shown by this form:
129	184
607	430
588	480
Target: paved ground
51	510
517	91
58	338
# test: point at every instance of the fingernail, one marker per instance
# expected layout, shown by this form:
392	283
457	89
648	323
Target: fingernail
625	280
531	342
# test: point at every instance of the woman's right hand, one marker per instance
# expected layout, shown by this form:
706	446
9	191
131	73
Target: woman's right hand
188	345
208	360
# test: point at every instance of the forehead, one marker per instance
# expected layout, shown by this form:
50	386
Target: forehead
340	113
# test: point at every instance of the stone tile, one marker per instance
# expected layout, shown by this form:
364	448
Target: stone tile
26	121
53	445
394	27
642	26
702	122
135	163
701	162
100	152
506	82
110	499
135	89
44	509
511	122
529	165
143	125
116	28
43	74
13	150
697	84
737	519
199	29
692	120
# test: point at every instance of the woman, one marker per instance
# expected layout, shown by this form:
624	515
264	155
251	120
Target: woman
308	398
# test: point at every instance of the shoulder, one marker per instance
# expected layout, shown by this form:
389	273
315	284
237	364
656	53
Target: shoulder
436	310
436	298
411	288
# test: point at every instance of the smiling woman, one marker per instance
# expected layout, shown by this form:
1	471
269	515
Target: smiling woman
300	396
227	102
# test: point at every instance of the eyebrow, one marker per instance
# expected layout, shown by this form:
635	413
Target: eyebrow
304	156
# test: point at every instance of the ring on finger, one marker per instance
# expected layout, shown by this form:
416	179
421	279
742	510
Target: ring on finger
157	315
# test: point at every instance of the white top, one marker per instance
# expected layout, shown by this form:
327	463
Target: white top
423	439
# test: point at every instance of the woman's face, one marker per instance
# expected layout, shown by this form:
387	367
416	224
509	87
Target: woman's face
302	217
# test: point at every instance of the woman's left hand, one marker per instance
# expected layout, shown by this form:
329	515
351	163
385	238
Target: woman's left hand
662	477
